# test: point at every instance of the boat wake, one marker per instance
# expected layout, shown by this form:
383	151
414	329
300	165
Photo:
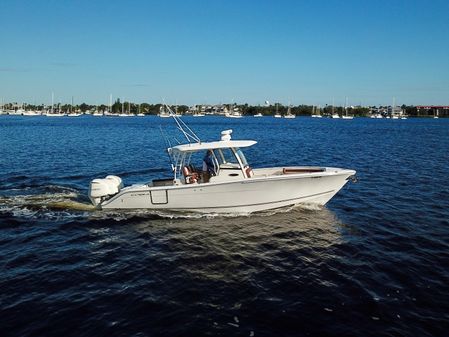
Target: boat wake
45	202
173	215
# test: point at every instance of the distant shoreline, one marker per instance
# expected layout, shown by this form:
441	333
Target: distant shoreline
143	109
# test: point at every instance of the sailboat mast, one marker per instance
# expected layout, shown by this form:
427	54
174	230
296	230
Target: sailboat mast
394	104
346	105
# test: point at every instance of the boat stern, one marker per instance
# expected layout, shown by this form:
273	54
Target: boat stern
103	189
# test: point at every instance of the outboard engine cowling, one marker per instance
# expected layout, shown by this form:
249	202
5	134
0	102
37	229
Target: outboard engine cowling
117	180
100	189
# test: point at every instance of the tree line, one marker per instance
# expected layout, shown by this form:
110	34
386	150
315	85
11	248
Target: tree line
245	109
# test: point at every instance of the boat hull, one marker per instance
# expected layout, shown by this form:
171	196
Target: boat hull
262	192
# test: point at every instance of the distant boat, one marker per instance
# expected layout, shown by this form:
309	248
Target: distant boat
139	114
396	112
346	116
55	114
334	114
233	113
31	113
163	113
258	115
18	112
277	114
74	114
124	113
315	114
289	113
52	112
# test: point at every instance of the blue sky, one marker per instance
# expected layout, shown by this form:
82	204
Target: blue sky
193	52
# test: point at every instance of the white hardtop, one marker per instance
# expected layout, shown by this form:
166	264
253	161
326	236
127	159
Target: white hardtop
212	145
224	143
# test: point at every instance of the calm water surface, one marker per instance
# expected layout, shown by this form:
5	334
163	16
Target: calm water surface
373	262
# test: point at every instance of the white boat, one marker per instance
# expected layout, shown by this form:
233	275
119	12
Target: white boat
55	113
233	113
31	113
346	116
258	115
289	113
163	113
436	114
232	187
334	114
316	112
397	112
277	114
19	112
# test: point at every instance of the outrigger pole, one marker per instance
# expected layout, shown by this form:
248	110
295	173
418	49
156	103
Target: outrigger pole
188	132
168	144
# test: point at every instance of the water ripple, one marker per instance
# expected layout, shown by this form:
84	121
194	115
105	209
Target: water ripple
370	263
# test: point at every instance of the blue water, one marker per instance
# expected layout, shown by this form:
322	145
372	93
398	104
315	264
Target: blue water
372	262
